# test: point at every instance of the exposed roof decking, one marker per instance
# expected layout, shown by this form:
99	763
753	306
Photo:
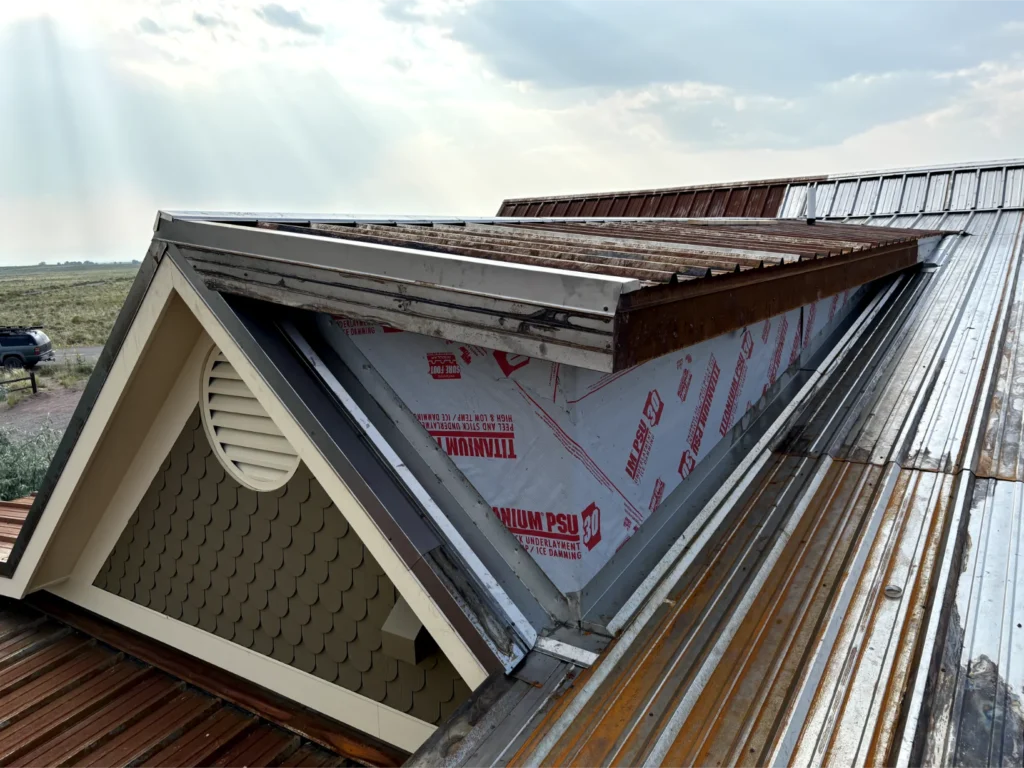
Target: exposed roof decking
604	295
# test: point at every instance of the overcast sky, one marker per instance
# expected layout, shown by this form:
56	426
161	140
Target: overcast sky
111	109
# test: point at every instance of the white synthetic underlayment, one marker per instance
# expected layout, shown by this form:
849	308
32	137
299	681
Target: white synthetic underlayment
573	461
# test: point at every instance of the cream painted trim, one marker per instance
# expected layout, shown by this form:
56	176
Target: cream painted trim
179	405
378	720
146	319
441	630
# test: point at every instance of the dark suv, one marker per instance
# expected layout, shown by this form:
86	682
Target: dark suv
24	347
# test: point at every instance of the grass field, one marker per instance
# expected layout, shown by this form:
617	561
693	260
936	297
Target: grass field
76	304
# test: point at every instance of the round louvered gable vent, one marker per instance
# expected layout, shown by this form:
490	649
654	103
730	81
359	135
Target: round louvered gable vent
244	437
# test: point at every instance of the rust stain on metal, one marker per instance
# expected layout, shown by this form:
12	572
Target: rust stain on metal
698	278
757	199
68	699
12	518
624	718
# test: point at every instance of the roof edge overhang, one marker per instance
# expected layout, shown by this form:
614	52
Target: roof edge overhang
534	311
680	315
595	321
452	614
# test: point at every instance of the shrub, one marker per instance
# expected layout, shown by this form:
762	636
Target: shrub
24	460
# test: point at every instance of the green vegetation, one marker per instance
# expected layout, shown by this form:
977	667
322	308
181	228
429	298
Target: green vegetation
24	460
75	303
49	376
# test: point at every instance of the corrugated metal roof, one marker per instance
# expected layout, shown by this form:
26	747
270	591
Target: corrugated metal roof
819	645
68	699
977	716
604	294
750	199
659	252
12	518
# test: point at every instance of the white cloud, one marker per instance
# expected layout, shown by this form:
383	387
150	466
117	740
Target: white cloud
125	106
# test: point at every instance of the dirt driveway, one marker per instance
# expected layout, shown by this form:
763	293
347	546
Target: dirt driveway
55	406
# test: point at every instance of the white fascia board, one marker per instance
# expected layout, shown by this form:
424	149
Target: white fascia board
447	637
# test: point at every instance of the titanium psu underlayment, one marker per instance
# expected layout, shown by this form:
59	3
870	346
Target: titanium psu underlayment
572	460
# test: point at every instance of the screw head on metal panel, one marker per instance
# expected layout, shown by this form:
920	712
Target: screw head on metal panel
893	591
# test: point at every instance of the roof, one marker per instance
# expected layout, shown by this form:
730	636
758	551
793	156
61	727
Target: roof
905	190
67	697
743	199
810	583
12	517
864	547
601	294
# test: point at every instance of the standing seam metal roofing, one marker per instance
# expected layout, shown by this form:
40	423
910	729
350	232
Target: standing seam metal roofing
831	590
68	699
12	518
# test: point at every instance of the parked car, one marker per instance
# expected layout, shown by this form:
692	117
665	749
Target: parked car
24	347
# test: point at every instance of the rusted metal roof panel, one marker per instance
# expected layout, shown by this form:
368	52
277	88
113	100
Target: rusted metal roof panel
637	711
601	294
761	199
69	699
12	518
876	471
976	716
845	710
735	720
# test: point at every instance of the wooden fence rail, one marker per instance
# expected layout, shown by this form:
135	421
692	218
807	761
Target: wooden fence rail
33	385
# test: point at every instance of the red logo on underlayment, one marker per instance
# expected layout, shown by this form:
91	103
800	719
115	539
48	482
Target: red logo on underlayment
739	378
684	381
592	525
543	533
640	451
510	363
795	351
684	385
686	463
809	317
833	307
766	329
472	435
656	496
443	365
653	407
707	396
747	344
780	342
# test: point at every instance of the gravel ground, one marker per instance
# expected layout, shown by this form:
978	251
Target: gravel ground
29	414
